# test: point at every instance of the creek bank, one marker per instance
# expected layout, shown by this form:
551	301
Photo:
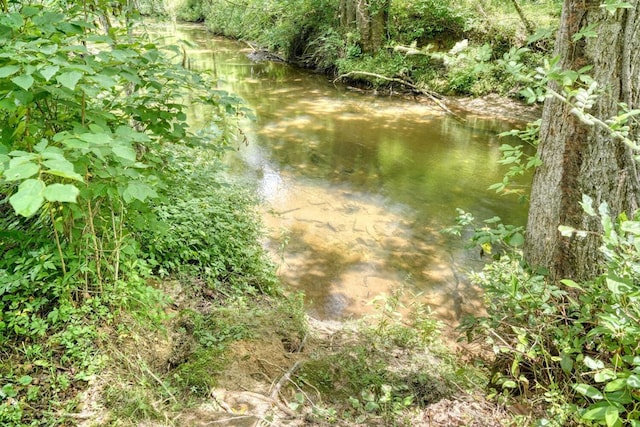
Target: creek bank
289	370
490	106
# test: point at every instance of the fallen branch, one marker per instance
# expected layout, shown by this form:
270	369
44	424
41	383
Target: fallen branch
431	95
275	393
284	408
261	54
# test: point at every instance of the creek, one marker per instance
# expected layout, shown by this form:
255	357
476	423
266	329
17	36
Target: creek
357	187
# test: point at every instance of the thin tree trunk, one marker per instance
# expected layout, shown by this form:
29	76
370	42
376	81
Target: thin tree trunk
527	24
580	159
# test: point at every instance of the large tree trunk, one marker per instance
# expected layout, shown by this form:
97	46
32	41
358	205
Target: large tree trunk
580	159
347	13
369	18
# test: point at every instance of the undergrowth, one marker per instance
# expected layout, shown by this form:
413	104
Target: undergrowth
570	351
383	370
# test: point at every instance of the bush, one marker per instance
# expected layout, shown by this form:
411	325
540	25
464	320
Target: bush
576	344
425	20
208	228
191	11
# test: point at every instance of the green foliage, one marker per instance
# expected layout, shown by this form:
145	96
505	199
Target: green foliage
381	371
517	159
198	374
154	8
296	28
491	235
191	11
578	339
425	20
86	111
214	235
311	33
42	375
385	64
80	154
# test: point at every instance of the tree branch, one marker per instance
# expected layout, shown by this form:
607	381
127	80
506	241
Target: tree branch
431	95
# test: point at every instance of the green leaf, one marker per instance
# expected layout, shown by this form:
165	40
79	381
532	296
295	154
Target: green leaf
96	138
61	193
139	191
571	284
587	205
593	363
28	198
62	168
8	70
20	170
611	416
617	286
25	380
632	227
8	390
104	81
615	385
69	79
588	391
566	363
516	240
12	20
633	381
604	375
41	146
293	406
371	407
595	413
612	6
125	152
25	81
49	71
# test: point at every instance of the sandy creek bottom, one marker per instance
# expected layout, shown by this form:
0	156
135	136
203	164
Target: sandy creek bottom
344	250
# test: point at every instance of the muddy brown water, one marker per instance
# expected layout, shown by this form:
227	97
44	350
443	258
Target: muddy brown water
357	187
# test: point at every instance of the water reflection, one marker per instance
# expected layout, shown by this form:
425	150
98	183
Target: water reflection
356	188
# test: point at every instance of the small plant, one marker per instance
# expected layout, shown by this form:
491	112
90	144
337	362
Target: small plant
491	236
212	235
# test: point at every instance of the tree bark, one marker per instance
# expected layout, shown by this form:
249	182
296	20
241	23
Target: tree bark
581	159
369	18
347	13
371	23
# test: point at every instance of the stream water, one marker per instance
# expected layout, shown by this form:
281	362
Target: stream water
357	187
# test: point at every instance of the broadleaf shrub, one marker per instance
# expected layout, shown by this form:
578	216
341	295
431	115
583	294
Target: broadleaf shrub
578	344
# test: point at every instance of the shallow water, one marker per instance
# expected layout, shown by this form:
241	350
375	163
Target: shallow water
357	187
